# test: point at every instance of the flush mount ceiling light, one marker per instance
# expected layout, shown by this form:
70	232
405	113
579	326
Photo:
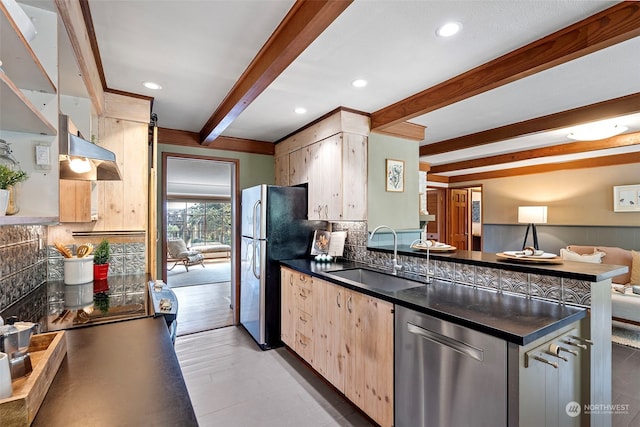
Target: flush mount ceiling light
449	29
152	85
79	164
359	83
595	131
300	110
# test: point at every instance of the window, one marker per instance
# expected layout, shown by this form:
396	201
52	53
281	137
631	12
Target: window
199	222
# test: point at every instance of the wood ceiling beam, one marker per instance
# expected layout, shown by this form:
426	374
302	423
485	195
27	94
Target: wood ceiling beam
613	160
629	104
536	153
306	20
614	25
192	139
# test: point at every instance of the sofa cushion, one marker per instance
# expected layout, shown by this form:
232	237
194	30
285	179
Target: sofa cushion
613	255
635	268
594	257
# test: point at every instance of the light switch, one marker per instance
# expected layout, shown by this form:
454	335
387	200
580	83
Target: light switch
42	155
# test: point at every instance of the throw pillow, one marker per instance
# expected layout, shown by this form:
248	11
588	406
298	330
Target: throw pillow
595	257
635	268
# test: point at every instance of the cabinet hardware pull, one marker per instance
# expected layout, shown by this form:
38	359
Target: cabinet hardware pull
338	300
584	340
550	353
291	280
543	360
575	344
566	350
349	304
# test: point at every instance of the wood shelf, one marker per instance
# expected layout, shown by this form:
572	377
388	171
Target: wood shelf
18	113
18	59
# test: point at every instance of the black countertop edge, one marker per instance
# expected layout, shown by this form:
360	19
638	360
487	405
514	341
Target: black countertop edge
568	269
118	374
516	319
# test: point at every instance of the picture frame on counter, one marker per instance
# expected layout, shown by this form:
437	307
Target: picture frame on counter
626	198
394	175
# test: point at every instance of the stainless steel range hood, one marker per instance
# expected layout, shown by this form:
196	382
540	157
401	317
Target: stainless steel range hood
100	162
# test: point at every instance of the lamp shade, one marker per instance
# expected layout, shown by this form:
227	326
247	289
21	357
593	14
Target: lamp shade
532	214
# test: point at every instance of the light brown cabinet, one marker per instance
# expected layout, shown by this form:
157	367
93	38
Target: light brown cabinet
75	201
296	313
351	341
331	156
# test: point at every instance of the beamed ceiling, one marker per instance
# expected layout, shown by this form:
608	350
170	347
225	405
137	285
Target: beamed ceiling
497	99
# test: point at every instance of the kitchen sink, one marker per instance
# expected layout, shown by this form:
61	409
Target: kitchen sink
376	280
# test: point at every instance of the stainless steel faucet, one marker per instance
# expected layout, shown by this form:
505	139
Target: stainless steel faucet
396	266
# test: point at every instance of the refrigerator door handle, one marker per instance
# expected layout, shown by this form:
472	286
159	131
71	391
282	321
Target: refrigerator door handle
256	210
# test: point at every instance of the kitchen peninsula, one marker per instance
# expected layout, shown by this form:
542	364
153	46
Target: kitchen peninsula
532	308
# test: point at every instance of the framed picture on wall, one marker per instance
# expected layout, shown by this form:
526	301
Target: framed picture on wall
626	198
394	175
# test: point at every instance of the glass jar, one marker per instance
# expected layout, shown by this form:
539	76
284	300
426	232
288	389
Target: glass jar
7	159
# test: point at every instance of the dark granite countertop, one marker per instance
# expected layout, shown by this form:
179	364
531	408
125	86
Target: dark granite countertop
517	319
118	374
568	269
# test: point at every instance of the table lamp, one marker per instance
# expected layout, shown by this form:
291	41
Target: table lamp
532	215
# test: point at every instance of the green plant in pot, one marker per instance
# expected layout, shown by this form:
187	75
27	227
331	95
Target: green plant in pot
101	255
9	178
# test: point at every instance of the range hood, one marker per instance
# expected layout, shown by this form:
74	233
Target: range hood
100	163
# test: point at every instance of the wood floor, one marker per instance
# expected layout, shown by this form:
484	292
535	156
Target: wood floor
233	383
203	307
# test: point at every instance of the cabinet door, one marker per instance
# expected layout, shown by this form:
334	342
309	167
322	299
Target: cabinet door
325	179
282	170
75	201
299	166
354	181
288	307
370	358
336	330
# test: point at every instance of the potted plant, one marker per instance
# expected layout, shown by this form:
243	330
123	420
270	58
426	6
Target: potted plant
101	255
8	179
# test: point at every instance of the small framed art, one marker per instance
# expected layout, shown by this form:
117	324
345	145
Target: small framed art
626	198
394	175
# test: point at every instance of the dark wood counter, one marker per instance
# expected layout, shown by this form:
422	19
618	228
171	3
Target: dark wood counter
118	374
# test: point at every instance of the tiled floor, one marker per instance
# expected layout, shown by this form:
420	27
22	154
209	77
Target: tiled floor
233	383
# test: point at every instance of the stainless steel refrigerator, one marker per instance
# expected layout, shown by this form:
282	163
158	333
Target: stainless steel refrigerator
274	227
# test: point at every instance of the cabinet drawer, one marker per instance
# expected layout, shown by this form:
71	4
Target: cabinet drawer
304	322
304	346
304	299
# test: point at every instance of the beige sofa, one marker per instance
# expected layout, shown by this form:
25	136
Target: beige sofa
625	305
213	250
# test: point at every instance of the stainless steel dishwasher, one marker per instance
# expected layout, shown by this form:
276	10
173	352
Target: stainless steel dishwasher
447	375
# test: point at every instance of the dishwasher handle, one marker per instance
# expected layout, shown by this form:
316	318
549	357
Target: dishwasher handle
444	340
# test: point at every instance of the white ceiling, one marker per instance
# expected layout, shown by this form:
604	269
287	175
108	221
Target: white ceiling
198	49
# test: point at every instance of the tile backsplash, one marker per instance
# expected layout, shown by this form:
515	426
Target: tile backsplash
26	262
23	262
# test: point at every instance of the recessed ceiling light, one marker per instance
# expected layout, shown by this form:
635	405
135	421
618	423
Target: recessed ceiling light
359	83
300	110
152	85
449	29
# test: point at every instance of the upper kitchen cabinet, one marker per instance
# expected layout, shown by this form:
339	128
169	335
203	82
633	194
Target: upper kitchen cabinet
330	156
29	99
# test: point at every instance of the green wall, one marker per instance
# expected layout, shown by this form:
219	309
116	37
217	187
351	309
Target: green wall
397	210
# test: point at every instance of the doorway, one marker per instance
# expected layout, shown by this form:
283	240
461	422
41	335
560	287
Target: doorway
458	216
199	205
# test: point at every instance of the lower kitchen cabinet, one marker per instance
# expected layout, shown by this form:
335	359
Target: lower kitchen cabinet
296	316
346	336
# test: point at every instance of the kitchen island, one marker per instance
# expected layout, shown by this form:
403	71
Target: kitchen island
118	374
533	308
